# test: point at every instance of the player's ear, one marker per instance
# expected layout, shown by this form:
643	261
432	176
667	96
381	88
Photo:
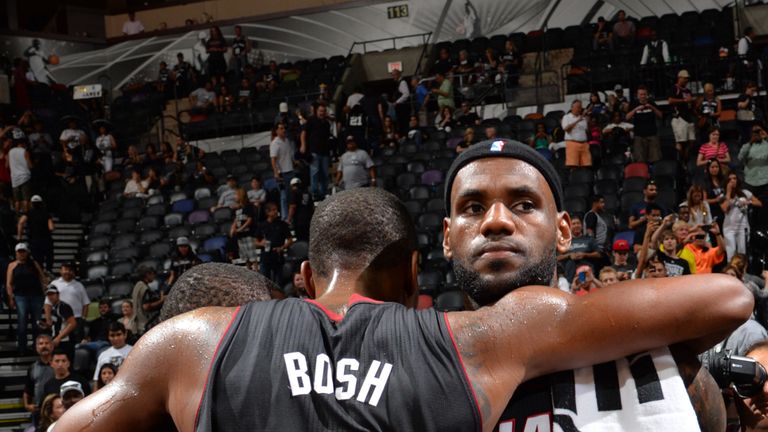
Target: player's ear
447	252
309	282
564	235
412	288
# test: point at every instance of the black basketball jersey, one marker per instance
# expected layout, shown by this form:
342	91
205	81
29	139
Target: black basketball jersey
291	365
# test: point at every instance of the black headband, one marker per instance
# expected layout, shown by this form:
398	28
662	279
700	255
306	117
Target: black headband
509	149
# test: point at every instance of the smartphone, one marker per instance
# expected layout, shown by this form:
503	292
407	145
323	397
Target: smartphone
582	277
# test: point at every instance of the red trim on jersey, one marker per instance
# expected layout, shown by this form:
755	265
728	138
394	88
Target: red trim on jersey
213	360
332	315
357	298
463	368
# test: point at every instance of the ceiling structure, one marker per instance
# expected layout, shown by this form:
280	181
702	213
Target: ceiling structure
333	32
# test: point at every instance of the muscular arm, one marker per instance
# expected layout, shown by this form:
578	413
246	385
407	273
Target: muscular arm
501	345
162	379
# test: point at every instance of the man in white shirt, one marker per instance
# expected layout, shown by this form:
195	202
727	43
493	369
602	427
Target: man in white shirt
20	165
115	354
71	292
355	98
748	55
132	26
655	51
355	167
204	97
281	157
576	148
72	137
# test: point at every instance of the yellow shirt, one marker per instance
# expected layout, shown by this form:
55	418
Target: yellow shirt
687	255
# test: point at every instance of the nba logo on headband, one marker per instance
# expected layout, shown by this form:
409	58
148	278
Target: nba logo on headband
497	146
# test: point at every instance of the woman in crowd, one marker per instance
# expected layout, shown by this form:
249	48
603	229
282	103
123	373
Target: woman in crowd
136	187
714	149
168	153
469	139
736	208
389	136
51	410
596	108
708	108
714	186
699	208
540	141
26	282
445	122
106	375
128	320
216	46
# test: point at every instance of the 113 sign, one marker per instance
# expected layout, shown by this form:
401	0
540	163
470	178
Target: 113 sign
397	11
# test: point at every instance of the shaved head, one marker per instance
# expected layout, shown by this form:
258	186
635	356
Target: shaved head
216	284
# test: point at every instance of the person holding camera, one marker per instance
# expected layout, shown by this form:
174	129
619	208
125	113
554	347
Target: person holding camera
707	256
754	156
736	208
753	407
584	251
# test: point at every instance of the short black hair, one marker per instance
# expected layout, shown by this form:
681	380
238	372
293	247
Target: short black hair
651	207
596	198
116	326
215	284
354	228
105	302
60	351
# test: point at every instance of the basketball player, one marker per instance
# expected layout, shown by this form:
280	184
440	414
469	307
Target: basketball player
217	284
346	362
488	193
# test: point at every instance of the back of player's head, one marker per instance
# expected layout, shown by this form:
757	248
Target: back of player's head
355	228
215	284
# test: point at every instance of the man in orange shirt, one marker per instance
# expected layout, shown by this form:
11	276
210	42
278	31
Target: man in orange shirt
705	255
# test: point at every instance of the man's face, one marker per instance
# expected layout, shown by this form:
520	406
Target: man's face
184	250
504	231
642	96
670	244
609	278
351	145
321	112
126	309
444	54
600	205
656	270
700	239
576	108
60	364
298	281
117	339
43	346
238	31
576	227
655	214
650	192
53	298
622	16
759	403
684	214
67	273
71	398
272	212
620	257
103	309
490	132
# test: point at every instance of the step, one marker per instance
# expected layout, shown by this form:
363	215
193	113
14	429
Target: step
11	403
14	416
17	360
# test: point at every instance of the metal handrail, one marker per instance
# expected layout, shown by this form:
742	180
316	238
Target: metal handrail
424	40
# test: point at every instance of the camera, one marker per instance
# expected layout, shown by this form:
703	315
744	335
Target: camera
743	374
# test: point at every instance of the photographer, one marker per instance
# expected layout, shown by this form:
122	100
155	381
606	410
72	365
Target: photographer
706	256
754	156
753	410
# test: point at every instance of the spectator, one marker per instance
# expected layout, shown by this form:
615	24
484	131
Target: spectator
748	55
596	108
39	225
747	111
603	37
736	209
71	393
164	80
136	187
389	135
655	51
699	208
646	146
673	265
73	138
274	236
61	374
402	101
25	286
116	353
241	46
355	167
621	251
72	293
203	99
106	145
584	282
243	226
641	212
541	141
106	375
128	319
705	254
465	117
584	250
316	139
619	102
168	154
5	170
708	108
62	322
297	287
415	133
181	75
681	230
617	135
132	26
216	46
281	156
595	224
40	141
134	159
301	209
182	260
20	164
421	95
608	276
444	121
98	330
574	124
444	92
512	61
227	194
225	102
682	121
147	298
754	156
38	374
443	64
713	149
489	63
464	65
257	195
683	212
51	410
491	133
714	186
623	30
